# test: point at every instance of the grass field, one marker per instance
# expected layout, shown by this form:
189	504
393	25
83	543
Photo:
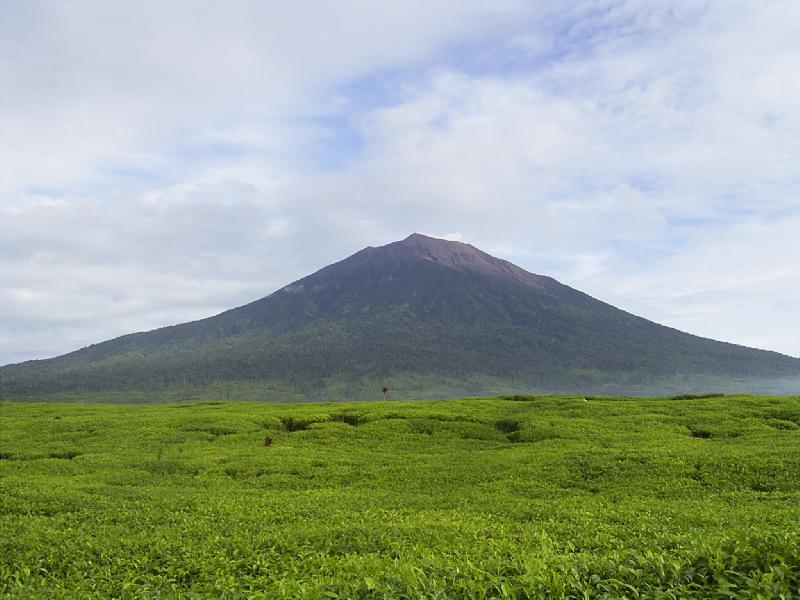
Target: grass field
475	498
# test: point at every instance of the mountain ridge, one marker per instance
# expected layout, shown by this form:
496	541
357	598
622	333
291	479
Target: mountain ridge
420	309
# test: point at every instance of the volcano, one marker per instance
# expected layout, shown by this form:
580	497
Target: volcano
424	316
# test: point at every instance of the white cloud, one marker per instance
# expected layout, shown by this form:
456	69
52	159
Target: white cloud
161	162
94	86
740	284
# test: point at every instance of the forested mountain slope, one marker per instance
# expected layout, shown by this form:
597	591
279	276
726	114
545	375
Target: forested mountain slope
419	310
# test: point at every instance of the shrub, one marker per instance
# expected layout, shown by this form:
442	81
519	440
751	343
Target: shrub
293	424
348	418
507	425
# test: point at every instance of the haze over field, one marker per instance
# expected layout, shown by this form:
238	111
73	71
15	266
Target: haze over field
162	162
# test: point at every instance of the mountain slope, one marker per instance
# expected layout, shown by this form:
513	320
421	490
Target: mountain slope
442	314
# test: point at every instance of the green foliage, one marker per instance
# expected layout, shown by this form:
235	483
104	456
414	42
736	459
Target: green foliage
295	424
349	418
551	497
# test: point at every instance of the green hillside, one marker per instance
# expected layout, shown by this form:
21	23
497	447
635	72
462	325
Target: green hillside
426	316
526	497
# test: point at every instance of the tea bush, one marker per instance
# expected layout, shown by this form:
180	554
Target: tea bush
534	497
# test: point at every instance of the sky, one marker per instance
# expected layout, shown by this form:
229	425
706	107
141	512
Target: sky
163	161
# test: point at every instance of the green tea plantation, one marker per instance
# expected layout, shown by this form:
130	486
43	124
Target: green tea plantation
518	497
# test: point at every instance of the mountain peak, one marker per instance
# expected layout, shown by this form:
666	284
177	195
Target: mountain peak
460	256
422	238
434	247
